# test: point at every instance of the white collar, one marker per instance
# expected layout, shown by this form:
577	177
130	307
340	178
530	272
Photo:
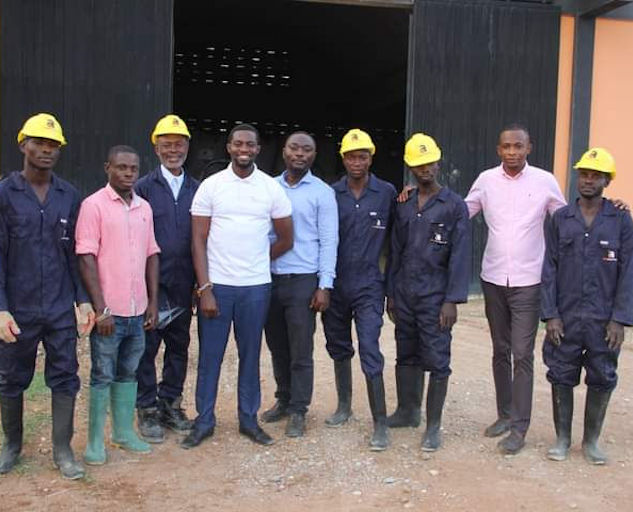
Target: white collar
169	177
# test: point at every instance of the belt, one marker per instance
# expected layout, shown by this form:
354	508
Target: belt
292	276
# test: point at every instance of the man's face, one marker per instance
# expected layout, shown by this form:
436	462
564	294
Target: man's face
299	152
357	163
427	173
122	171
591	183
171	150
513	148
243	148
40	153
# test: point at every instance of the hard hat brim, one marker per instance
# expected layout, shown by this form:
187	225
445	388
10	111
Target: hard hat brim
416	162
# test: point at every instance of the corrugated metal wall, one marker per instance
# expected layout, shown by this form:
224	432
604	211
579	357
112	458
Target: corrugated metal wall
104	68
477	66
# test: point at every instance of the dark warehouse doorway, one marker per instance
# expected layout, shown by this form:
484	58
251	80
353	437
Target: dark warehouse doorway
290	65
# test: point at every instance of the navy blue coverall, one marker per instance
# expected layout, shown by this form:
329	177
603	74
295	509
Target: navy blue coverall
587	281
359	289
39	283
430	265
172	229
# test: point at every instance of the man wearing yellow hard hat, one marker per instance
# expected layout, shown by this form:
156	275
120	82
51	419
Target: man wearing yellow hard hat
586	299
429	274
39	286
365	208
169	191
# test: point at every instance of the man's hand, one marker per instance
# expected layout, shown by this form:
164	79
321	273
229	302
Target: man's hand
615	335
8	327
151	316
554	331
404	195
320	300
448	316
620	205
85	319
207	304
391	309
105	327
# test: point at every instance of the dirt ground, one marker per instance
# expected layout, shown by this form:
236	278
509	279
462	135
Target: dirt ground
332	469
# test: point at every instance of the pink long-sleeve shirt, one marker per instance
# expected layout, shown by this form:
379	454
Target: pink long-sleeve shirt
514	209
121	237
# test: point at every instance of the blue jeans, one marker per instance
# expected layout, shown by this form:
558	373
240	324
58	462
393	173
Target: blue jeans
115	358
246	308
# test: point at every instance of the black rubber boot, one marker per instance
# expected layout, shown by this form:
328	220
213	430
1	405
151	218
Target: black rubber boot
343	375
435	397
409	384
563	407
63	408
376	393
11	410
595	411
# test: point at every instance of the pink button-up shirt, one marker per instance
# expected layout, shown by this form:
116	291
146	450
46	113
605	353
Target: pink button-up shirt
514	209
121	237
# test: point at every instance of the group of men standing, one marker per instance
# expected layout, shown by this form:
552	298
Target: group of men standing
262	254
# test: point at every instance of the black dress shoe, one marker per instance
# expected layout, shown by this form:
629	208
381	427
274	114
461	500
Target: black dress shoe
276	412
195	437
498	428
257	435
512	444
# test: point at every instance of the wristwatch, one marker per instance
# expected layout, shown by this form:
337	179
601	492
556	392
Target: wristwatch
202	288
106	314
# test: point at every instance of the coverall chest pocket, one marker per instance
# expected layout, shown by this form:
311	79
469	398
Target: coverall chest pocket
377	219
438	237
18	226
610	251
565	246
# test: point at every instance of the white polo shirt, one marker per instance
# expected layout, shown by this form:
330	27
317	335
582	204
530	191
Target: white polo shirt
241	211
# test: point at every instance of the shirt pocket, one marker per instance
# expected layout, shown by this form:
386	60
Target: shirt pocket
18	226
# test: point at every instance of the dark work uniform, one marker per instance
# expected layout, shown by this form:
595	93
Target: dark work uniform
39	283
430	265
587	281
172	229
359	289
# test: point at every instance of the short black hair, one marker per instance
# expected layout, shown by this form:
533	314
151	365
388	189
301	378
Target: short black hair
300	132
515	127
243	127
121	148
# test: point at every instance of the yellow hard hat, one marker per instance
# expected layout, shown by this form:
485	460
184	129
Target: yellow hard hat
597	159
171	124
421	149
44	126
357	139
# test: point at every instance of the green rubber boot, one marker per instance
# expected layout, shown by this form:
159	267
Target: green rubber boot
95	453
123	404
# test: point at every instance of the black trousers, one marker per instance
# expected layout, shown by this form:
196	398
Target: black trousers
513	316
290	338
176	337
